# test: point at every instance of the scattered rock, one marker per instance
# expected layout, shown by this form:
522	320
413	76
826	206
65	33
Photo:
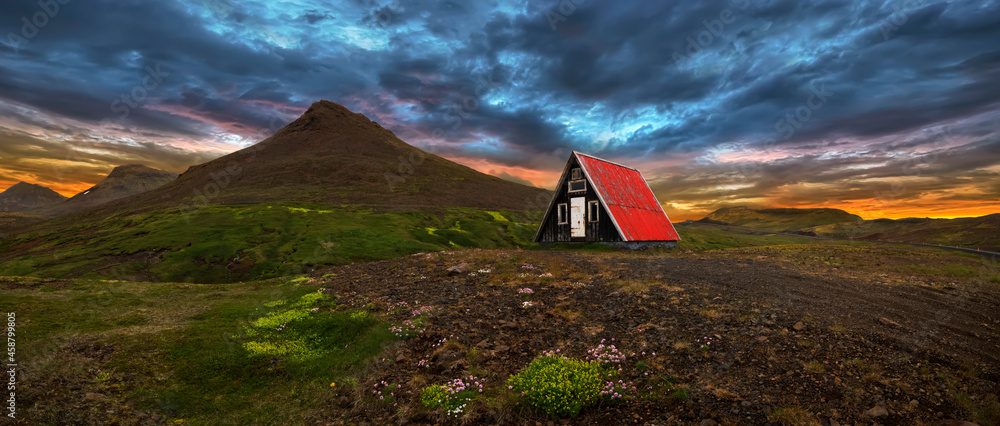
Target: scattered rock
878	410
344	402
708	422
508	324
955	423
458	269
887	321
401	358
95	396
746	403
914	404
799	326
834	422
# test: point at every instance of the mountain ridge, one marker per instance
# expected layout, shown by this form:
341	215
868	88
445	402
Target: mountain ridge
331	155
121	182
23	196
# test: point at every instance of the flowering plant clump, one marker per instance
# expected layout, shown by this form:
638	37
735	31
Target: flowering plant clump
414	326
528	266
423	310
452	397
397	306
545	275
387	393
615	391
704	343
560	386
525	291
408	328
606	354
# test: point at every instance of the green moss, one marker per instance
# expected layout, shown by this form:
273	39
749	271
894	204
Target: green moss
497	216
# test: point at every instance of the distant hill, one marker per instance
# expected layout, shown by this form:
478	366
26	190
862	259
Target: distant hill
122	182
780	220
24	196
331	155
982	232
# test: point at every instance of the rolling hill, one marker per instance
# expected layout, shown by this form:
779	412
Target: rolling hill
332	187
24	196
780	220
971	232
122	182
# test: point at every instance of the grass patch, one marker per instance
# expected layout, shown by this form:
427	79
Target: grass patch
870	372
794	416
985	411
636	286
186	351
815	367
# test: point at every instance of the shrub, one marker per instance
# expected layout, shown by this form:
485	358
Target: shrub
561	386
452	397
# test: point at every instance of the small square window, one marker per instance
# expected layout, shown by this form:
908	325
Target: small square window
593	211
561	209
577	174
577	186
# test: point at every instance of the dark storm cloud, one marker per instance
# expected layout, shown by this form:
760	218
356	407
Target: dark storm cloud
820	93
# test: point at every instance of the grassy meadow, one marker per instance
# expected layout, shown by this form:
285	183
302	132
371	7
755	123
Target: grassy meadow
258	352
216	244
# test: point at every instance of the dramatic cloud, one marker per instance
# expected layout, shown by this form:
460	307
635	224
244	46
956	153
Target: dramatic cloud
884	108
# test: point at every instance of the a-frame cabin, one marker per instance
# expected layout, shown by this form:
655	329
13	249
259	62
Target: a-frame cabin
600	201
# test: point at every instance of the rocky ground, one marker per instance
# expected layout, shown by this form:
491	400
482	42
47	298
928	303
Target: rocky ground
816	334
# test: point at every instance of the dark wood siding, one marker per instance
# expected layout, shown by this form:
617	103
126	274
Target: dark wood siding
602	230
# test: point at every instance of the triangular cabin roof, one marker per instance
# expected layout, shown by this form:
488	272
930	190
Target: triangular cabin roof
626	197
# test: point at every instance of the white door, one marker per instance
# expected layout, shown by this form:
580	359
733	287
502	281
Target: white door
576	212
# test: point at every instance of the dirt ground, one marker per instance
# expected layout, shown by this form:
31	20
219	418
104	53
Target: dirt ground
812	334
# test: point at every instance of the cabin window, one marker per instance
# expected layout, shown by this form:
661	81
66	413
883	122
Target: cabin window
577	174
577	186
561	213
593	209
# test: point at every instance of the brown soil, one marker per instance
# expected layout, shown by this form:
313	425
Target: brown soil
793	339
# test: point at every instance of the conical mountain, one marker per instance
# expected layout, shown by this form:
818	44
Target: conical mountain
332	155
24	196
122	182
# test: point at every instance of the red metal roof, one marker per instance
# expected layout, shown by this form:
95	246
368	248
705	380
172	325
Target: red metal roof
627	197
